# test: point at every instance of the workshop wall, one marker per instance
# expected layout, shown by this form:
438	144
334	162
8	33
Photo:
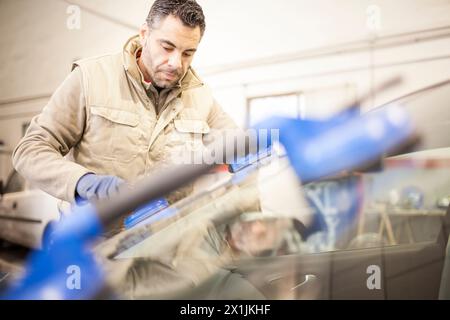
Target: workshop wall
251	48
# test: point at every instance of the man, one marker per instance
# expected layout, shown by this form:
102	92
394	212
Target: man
121	116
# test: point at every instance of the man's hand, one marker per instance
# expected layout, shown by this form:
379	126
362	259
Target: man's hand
94	187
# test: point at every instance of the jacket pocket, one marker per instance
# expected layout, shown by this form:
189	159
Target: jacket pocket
185	140
189	133
116	115
114	134
192	126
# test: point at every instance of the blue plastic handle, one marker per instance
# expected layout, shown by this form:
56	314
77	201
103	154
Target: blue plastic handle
317	149
145	212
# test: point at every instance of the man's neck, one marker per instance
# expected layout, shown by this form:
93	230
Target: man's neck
141	66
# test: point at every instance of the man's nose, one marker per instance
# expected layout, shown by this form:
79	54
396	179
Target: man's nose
175	61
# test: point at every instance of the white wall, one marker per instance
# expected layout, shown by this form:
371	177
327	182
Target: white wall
251	48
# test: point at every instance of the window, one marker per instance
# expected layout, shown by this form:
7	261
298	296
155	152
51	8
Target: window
261	108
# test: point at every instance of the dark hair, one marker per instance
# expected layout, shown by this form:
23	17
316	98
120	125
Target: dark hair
188	11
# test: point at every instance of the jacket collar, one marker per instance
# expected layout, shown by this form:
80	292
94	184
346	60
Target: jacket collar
189	81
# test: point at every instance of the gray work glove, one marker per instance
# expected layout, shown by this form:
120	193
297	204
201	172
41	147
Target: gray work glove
94	187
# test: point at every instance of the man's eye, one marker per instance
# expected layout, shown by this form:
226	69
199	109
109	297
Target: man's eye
167	48
187	54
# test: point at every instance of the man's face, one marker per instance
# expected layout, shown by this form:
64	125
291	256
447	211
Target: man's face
167	50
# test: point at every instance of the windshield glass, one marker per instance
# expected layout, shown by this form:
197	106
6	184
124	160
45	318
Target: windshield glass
261	233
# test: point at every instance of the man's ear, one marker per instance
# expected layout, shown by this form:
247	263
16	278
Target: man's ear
144	31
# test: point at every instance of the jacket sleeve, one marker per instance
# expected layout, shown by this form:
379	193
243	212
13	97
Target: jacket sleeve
39	156
219	119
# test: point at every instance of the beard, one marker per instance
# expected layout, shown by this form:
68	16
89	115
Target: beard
165	77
